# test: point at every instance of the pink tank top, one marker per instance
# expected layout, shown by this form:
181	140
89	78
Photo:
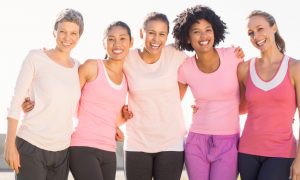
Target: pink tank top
271	108
100	104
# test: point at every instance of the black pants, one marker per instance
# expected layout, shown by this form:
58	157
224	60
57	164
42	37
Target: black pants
39	164
159	166
252	167
88	163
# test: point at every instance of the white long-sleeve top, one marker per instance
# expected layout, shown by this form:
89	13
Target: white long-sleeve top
56	91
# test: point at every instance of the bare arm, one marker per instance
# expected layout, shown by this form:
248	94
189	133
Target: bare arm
87	72
182	89
242	77
11	154
295	73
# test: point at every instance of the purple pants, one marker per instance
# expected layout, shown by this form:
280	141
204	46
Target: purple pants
211	157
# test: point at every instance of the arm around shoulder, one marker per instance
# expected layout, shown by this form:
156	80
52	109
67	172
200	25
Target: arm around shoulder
242	72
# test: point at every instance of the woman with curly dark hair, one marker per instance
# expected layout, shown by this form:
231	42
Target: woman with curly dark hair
211	145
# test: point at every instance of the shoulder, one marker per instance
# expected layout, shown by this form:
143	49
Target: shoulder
34	53
132	55
170	48
295	66
229	53
35	57
89	65
242	70
226	50
187	62
244	66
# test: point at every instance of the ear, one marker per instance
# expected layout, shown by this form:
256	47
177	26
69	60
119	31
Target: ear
141	33
274	28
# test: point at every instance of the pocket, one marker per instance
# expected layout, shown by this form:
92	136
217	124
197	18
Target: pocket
20	143
27	148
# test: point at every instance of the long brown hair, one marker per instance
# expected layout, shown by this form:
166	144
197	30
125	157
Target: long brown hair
271	20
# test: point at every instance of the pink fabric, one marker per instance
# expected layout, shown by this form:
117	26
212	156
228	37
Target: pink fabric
157	123
268	129
56	91
100	104
210	157
216	94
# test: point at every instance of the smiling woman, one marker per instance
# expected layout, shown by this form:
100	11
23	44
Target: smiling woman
27	24
47	76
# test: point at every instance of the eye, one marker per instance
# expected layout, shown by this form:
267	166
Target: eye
110	39
260	29
251	33
162	34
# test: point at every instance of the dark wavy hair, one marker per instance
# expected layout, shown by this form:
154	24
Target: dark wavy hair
271	20
188	17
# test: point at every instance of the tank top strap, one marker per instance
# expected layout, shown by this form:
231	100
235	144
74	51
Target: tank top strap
275	81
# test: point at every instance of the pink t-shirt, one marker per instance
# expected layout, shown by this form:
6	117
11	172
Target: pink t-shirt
100	104
157	123
271	108
216	94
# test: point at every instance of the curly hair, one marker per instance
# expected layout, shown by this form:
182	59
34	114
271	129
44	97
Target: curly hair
184	21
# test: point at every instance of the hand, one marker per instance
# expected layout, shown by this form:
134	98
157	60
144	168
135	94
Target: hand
126	113
11	156
27	105
295	170
119	135
195	108
239	53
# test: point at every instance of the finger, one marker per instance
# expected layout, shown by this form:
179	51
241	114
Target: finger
27	99
237	49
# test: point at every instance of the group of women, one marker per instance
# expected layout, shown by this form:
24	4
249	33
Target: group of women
156	77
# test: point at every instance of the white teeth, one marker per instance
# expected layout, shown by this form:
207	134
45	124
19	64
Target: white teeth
66	44
260	43
155	45
117	51
203	42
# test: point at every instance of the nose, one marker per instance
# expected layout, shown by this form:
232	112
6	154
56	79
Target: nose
156	36
67	36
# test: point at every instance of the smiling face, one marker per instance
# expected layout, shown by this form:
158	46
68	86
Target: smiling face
67	36
155	36
261	34
201	36
117	43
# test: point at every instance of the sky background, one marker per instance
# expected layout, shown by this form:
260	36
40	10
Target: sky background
27	25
